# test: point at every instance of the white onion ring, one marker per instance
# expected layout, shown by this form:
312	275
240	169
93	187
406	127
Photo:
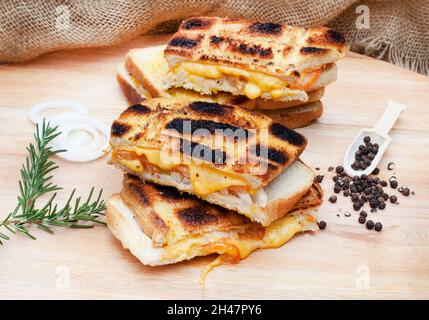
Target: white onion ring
64	137
75	121
35	112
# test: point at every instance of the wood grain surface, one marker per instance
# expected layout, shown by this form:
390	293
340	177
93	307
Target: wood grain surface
343	261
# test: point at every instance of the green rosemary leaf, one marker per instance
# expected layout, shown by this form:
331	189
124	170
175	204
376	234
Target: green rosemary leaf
36	180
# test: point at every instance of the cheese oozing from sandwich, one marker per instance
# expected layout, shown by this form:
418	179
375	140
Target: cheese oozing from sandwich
232	245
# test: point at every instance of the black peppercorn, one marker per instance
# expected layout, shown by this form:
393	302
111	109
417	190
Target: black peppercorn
319	178
373	203
405	191
362	219
339	169
375	171
393	183
357	206
378	226
322	225
370	224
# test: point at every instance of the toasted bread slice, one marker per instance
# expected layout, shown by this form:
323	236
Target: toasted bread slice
276	49
132	89
267	60
160	226
196	123
148	67
297	117
231	174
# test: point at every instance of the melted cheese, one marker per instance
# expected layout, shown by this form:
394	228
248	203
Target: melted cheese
155	156
257	82
207	180
234	71
202	70
276	235
134	165
232	247
204	179
252	91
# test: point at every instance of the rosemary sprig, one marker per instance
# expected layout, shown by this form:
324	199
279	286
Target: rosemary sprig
36	180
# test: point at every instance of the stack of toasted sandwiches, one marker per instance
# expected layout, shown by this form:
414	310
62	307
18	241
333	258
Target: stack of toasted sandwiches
273	68
203	173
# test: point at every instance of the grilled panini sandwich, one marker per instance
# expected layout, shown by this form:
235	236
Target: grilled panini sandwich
259	60
160	225
226	155
144	71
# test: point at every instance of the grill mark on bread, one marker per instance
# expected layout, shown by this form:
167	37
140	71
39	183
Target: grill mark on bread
178	124
249	49
227	62
209	108
136	109
286	134
184	42
196	23
170	193
195	216
200	151
136	188
333	36
270	154
272	167
216	40
313	50
267	28
238	99
118	129
328	37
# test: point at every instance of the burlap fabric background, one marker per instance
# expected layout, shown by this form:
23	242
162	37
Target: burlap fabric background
397	31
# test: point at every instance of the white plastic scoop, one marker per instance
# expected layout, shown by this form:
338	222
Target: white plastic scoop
378	134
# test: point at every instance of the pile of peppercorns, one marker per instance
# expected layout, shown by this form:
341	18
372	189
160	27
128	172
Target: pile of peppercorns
365	189
365	154
361	189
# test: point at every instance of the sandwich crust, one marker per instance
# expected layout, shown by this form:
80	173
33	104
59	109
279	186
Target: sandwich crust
133	95
297	117
151	76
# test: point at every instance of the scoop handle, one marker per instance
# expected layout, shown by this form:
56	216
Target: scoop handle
389	117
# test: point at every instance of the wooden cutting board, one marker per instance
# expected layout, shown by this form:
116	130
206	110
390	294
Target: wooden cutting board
343	261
